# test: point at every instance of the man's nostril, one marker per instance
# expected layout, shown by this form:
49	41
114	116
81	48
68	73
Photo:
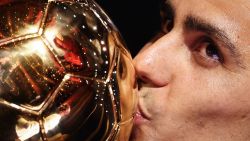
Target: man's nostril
140	83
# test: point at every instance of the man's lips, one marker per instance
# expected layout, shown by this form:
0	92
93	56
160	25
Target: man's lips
141	116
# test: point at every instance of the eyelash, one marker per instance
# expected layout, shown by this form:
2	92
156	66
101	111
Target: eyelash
207	53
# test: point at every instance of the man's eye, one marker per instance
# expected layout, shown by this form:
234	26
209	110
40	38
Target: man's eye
207	54
167	21
167	25
167	17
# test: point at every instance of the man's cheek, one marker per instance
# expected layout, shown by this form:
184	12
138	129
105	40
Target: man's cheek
156	106
210	108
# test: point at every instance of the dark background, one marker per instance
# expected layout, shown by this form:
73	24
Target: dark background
137	20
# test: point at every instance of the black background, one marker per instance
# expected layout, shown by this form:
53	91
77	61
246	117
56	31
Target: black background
137	20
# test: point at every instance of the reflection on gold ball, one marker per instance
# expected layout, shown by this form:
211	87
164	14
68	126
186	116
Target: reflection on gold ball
65	73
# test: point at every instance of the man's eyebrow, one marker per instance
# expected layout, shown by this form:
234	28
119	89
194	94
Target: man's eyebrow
197	24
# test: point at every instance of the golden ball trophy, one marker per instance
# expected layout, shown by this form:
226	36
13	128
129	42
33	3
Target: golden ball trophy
65	73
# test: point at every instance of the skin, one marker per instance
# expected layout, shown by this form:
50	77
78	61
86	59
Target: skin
194	77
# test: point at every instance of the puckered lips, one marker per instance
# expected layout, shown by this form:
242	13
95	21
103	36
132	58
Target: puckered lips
140	116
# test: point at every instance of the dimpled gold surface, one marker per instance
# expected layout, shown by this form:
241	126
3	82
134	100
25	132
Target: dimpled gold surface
65	73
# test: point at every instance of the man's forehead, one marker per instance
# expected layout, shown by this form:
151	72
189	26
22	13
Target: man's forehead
248	5
245	4
233	14
239	4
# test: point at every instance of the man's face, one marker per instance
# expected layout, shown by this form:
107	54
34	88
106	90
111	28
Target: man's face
195	79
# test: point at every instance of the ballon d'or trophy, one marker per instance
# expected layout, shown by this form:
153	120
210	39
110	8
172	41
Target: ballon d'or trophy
65	73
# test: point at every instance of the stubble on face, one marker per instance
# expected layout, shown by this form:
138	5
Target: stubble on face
201	103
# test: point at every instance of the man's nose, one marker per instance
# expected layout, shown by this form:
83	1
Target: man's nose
150	67
158	62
